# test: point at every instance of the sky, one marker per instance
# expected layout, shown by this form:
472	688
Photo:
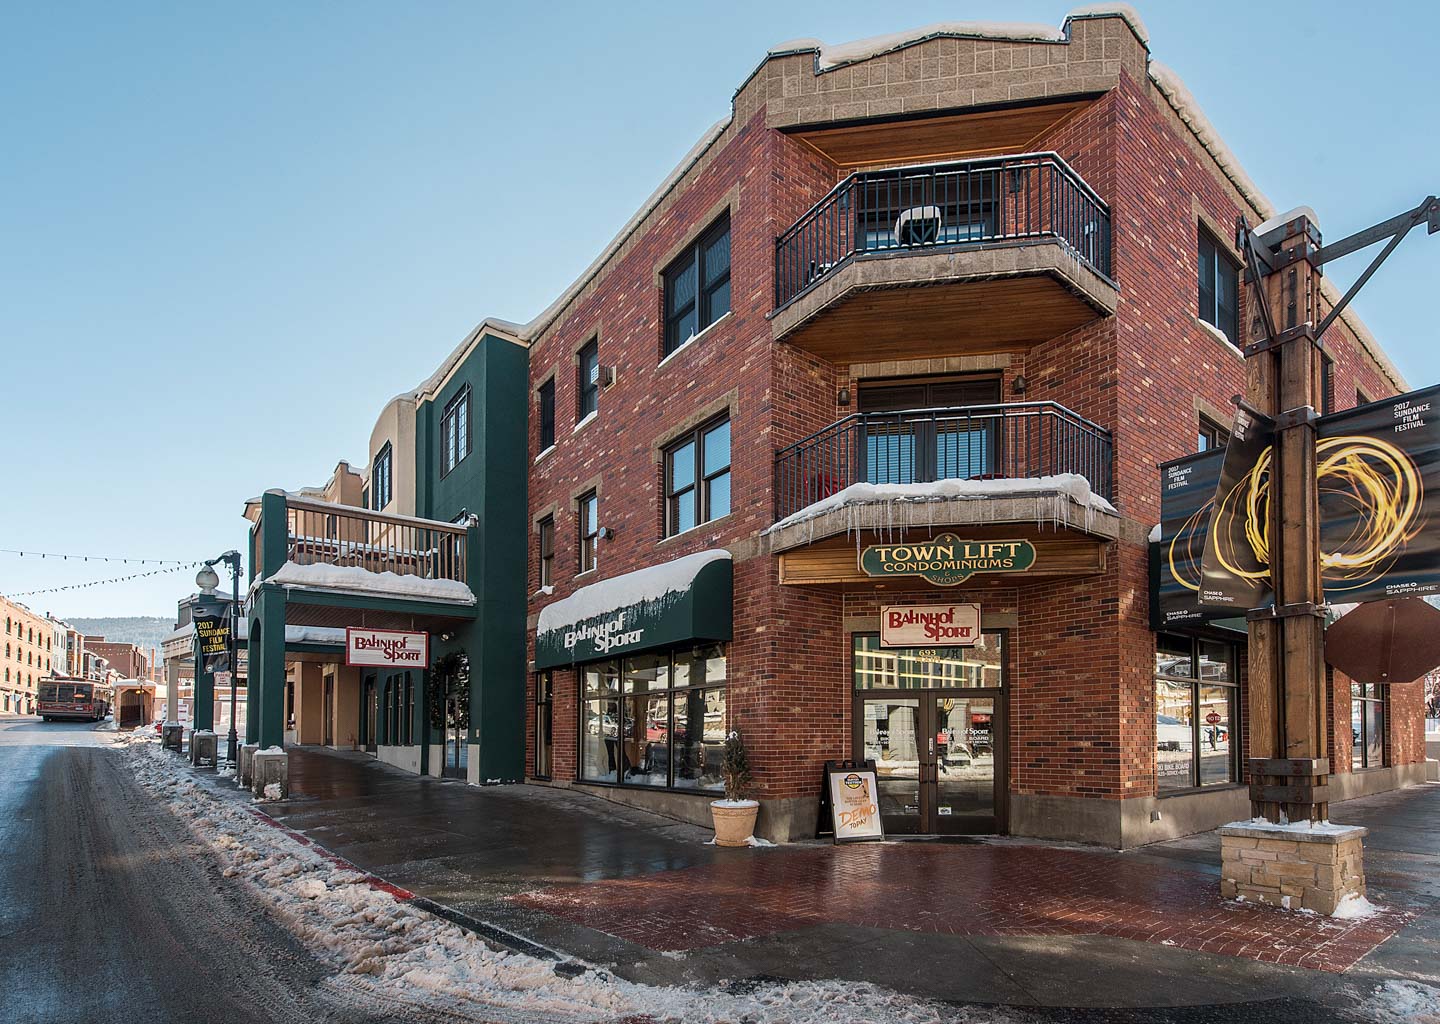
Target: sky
232	232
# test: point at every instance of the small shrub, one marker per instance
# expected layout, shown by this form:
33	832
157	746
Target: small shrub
735	767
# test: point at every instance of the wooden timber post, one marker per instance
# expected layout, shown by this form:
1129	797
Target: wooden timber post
1288	761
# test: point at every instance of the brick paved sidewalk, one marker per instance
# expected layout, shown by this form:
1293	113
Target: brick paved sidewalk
995	922
990	889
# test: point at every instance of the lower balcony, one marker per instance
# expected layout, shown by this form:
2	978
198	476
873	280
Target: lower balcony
959	258
342	565
1024	462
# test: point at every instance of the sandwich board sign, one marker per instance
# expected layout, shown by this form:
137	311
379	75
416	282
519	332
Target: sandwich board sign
854	801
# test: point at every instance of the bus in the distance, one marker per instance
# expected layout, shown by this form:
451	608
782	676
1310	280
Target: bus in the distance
74	699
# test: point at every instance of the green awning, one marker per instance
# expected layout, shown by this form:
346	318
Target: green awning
687	600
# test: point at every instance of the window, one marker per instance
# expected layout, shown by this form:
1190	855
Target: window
544	724
380	482
589	530
1196	717
547	415
1367	724
589	379
455	431
655	720
1361	398
697	286
927	668
1327	384
547	551
1219	288
1212	435
697	478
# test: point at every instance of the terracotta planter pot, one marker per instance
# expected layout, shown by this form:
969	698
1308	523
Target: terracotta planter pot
734	823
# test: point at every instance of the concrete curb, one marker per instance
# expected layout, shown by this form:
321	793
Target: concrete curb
562	964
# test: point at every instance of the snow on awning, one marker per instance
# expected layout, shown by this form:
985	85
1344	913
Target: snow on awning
685	600
362	581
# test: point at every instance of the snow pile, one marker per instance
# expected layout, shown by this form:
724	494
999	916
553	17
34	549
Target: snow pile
272	792
352	577
1354	907
1323	828
383	947
1401	1002
1062	485
654	583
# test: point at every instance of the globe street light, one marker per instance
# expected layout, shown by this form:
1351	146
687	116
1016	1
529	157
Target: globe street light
207	580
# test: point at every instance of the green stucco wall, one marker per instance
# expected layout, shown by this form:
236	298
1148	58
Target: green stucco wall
490	484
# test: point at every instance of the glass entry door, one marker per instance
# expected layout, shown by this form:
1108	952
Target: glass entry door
936	757
370	709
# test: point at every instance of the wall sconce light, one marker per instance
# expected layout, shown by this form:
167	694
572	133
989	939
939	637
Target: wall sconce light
1019	384
843	397
605	533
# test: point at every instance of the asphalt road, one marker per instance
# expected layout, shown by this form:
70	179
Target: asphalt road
110	912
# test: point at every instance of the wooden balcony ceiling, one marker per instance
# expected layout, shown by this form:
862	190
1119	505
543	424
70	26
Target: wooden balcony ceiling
936	320
949	137
297	613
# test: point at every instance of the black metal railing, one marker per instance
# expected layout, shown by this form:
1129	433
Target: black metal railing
979	442
965	202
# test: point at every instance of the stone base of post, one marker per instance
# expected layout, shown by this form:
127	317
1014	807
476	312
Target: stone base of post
1292	866
172	737
270	768
247	758
203	748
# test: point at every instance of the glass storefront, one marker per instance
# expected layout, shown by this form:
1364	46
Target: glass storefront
1196	696
937	752
655	720
1367	725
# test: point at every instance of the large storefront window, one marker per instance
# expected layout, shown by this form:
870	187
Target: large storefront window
1196	727
1367	725
654	720
926	668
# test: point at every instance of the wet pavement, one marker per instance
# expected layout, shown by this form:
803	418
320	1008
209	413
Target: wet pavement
999	922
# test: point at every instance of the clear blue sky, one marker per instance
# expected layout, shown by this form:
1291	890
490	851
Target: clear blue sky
232	232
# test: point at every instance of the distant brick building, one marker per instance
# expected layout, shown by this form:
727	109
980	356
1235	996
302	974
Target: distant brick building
27	655
961	256
124	658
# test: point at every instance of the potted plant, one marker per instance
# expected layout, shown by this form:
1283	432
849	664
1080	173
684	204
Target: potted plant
734	816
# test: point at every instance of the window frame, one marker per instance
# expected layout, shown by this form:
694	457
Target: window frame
1211	435
1327	384
382	496
545	396
1219	253
545	712
587	393
702	302
589	542
1196	681
700	485
449	428
545	562
1362	695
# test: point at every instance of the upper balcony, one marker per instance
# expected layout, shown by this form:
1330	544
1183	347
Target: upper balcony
342	556
1019	462
955	258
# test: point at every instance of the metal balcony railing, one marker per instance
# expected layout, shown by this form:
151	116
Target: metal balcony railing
964	202
319	532
978	442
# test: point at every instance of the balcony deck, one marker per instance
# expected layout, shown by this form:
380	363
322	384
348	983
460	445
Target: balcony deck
1023	462
957	258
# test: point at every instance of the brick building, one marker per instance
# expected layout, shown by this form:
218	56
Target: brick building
124	658
28	655
956	256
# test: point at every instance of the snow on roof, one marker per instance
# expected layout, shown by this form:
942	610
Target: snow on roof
649	584
1285	218
1071	485
354	578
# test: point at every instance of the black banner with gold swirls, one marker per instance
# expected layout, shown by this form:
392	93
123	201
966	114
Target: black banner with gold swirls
1379	472
1187	490
1236	566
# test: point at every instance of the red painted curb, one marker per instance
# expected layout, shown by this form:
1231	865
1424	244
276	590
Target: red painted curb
373	881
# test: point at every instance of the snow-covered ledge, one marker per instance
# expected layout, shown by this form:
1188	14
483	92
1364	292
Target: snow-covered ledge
1063	500
356	580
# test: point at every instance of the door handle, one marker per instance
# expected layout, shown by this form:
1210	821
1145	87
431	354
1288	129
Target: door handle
932	746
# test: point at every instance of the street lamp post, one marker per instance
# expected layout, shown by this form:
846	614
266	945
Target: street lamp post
208	580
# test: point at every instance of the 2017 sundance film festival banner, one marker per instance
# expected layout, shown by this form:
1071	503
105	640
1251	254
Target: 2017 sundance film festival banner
1378	470
386	648
212	637
1187	492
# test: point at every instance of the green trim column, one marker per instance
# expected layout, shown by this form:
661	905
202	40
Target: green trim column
268	625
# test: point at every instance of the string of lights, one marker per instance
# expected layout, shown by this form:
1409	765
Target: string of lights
114	579
124	560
